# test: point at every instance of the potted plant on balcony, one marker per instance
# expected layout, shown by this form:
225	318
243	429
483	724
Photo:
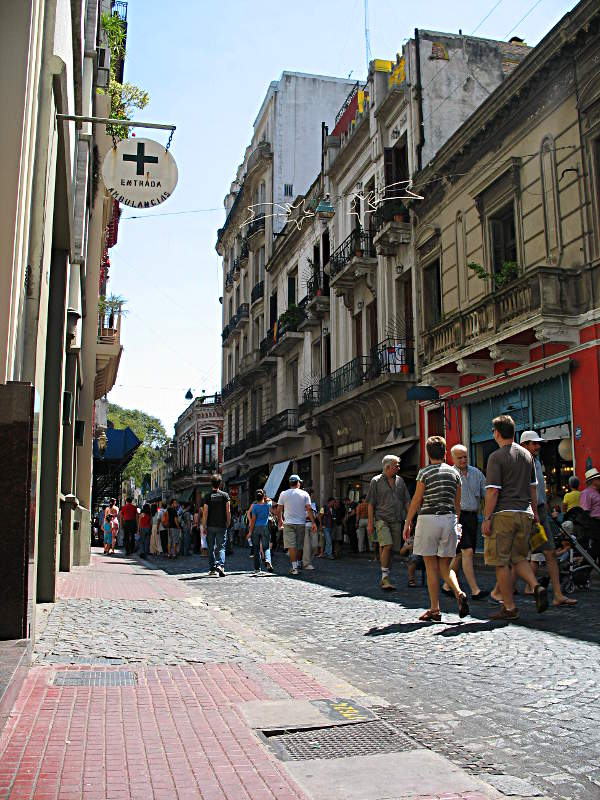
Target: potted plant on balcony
290	319
401	212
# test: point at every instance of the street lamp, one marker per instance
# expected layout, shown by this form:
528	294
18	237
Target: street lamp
102	444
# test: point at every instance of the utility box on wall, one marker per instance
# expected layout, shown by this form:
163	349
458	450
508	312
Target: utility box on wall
18	445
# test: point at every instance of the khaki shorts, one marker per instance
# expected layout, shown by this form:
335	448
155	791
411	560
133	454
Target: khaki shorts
389	534
435	535
508	542
293	536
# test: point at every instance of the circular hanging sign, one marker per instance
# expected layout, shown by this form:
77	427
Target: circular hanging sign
139	173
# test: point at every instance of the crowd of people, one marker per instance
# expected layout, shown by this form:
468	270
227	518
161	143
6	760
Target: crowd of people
436	528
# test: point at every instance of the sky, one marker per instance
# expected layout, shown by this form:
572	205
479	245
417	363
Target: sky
207	66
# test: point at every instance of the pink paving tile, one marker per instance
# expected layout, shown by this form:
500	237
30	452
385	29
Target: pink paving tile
117	578
296	683
178	733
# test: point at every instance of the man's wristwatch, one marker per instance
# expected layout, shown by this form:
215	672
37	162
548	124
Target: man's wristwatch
486	519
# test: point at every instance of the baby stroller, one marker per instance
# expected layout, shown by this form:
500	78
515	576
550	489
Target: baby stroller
575	564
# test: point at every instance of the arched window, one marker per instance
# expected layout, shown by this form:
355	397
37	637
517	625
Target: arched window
461	258
550	199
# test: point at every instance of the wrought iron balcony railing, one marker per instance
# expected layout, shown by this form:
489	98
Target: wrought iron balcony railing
258	291
389	357
230	387
244	250
280	423
317	285
257	224
225	333
208	468
267	343
242	313
389	210
358	244
235	266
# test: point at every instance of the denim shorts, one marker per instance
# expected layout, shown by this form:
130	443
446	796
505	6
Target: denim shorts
174	537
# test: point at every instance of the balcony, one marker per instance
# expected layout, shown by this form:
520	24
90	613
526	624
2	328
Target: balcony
108	352
259	157
242	315
231	388
316	302
354	258
236	268
280	423
267	344
542	292
244	252
391	227
258	292
229	280
256	231
226	332
287	334
391	357
209	468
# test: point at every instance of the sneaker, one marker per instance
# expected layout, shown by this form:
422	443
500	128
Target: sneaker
387	585
504	614
220	572
256	573
212	573
294	571
309	566
541	599
269	566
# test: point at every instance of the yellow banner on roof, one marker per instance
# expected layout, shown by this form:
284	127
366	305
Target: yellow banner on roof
381	65
398	74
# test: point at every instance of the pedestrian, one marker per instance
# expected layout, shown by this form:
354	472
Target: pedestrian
145	530
532	442
293	506
327	522
571	500
107	531
590	503
472	496
113	511
509	516
174	530
259	531
185	521
387	499
216	519
362	518
163	528
339	516
155	545
437	501
310	537
196	543
114	527
350	524
129	523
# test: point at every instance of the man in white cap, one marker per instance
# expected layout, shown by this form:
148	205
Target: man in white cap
388	499
589	501
293	507
531	441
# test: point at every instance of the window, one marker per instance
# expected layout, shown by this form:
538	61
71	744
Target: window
273	309
261	263
395	167
209	450
432	294
461	256
288	189
550	198
503	237
230	308
292	285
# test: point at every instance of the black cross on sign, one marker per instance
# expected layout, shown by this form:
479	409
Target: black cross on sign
140	158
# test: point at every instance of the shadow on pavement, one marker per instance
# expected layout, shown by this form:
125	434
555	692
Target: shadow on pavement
350	577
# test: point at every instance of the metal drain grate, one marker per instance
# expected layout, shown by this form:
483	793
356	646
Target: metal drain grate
95	678
362	738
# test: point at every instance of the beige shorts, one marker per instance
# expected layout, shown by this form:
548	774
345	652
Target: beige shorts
435	535
389	534
508	542
293	536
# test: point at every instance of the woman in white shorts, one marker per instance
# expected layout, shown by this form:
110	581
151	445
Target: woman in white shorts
437	501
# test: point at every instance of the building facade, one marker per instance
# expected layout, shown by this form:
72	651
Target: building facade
316	368
507	253
54	221
197	449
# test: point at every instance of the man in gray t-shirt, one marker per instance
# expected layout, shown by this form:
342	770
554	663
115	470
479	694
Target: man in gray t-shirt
509	516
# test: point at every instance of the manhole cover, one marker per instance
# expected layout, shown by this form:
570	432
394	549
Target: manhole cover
360	739
95	678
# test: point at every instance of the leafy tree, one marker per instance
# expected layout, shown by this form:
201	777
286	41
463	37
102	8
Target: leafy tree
149	430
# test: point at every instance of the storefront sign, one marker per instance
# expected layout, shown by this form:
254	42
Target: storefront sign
140	173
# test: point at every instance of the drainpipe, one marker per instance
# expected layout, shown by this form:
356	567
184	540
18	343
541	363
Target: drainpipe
419	99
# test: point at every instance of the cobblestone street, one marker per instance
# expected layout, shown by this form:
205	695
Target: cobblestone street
515	706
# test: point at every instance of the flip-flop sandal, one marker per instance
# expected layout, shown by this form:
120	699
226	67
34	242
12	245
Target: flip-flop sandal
412	584
568	601
431	616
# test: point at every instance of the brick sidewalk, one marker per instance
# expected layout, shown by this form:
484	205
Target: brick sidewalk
118	578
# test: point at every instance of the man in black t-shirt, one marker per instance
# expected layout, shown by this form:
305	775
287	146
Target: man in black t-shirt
216	518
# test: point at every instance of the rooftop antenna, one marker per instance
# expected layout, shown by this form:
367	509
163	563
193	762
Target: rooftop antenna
367	41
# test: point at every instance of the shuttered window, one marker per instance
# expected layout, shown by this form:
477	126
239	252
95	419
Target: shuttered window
551	402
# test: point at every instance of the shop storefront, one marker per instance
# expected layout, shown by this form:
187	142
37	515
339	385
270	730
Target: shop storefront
544	407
